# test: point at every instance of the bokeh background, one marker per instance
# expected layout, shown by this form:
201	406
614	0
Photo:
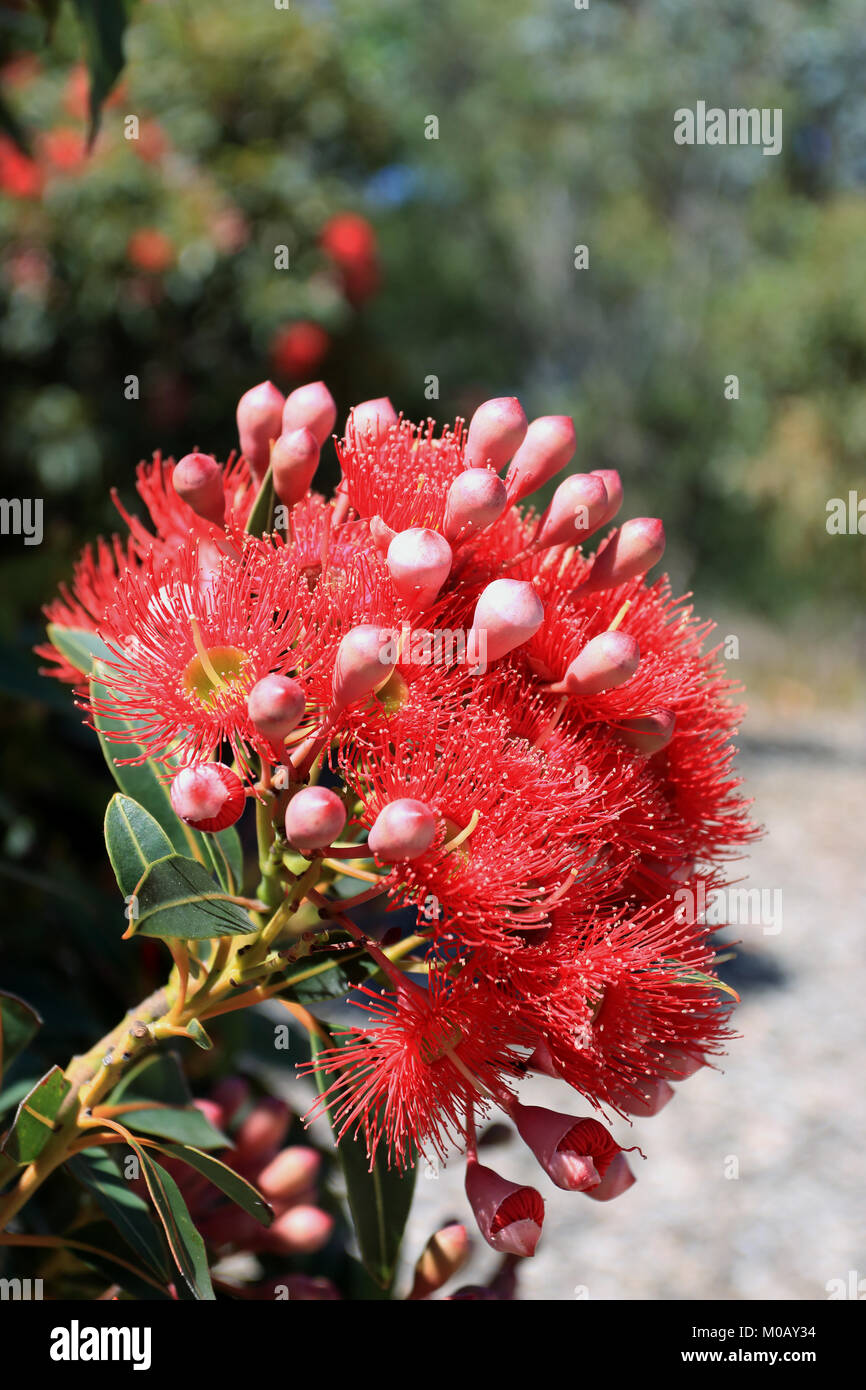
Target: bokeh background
440	271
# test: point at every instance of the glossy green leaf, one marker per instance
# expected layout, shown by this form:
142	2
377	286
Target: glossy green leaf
182	1126
159	1078
80	646
34	1120
379	1200
261	517
186	1245
198	1035
19	1024
225	1178
134	840
99	1171
177	898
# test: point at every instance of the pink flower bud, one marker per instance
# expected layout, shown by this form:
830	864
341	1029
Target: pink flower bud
575	1153
613	485
294	460
508	613
264	1129
276	706
509	1217
208	796
606	661
365	661
649	733
444	1254
310	407
260	420
575	511
198	481
230	1094
420	562
549	444
382	535
475	500
495	432
404	829
314	818
290	1173
618	1179
372	419
301	1230
643	1098
632	550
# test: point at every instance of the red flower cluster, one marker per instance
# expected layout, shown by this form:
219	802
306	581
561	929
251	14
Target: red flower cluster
533	744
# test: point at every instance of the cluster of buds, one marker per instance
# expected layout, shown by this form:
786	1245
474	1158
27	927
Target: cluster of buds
538	806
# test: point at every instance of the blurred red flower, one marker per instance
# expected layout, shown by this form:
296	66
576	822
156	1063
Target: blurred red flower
297	350
150	249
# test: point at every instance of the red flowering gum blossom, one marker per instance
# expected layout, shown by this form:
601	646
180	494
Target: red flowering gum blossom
649	733
608	660
208	796
549	444
373	419
643	1098
577	508
310	407
475	500
617	1180
495	432
613	486
314	818
508	613
627	553
575	1153
420	561
509	1217
363	663
404	829
198	480
260	420
276	706
294	460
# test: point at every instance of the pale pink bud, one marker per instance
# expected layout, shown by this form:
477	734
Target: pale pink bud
649	733
606	661
294	460
310	407
475	500
618	1179
643	1098
509	1216
208	796
557	1142
508	613
575	511
290	1173
549	444
495	432
366	658
420	561
276	706
198	480
632	550
613	485
382	535
403	829
444	1254
301	1230
372	419
264	1129
260	420
314	818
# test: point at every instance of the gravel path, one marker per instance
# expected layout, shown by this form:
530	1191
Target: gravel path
788	1113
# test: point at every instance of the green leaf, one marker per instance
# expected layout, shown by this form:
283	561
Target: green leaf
185	1243
178	898
379	1199
183	1126
34	1120
104	25
19	1024
225	1178
261	517
80	647
198	1035
98	1171
159	1079
105	1260
134	840
147	784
